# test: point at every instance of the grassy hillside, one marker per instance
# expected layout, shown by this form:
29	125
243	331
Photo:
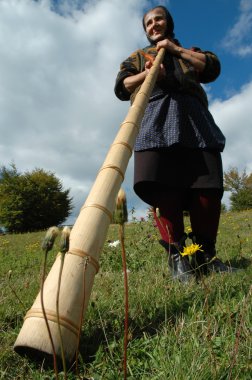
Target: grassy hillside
197	331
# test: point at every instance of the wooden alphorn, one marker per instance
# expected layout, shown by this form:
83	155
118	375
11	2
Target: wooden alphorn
86	243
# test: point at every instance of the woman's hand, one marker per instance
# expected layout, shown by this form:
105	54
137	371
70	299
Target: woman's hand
148	66
162	72
169	45
133	81
195	58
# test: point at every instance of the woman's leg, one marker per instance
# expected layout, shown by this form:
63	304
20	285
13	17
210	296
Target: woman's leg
170	217
169	220
204	209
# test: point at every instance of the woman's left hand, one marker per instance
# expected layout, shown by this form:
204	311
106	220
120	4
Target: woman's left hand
169	45
195	58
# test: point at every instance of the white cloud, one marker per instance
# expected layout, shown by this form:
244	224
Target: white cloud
239	38
58	110
234	116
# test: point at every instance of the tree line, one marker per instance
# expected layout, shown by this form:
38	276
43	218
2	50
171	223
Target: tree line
36	200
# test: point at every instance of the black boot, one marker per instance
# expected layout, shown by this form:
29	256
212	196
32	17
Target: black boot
179	265
205	261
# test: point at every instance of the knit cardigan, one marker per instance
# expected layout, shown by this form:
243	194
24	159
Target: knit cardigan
180	75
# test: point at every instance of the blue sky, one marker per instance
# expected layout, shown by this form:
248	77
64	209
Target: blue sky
207	24
59	60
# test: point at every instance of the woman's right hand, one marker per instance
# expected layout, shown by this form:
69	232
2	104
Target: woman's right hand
162	71
133	81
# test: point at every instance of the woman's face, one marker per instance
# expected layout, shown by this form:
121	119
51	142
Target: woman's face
155	24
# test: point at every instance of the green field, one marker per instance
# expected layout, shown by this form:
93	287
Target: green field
180	332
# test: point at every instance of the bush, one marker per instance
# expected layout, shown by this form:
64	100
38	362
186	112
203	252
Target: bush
32	201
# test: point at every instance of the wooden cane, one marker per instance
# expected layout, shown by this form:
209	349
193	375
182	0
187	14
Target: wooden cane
86	243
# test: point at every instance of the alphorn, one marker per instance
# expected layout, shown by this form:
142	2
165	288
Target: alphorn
86	243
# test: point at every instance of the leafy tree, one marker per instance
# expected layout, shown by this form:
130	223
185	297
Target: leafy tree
242	200
240	186
32	201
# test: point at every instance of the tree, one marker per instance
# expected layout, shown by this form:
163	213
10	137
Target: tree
32	201
240	186
241	200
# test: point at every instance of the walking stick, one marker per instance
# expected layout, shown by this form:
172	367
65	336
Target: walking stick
86	242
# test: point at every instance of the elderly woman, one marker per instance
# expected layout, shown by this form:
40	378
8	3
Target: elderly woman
178	162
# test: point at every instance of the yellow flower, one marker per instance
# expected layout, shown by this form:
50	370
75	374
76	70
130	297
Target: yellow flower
188	229
191	249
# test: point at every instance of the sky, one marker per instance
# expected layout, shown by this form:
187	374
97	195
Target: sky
59	60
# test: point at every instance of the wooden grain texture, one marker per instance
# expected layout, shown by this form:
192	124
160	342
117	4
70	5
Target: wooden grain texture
86	242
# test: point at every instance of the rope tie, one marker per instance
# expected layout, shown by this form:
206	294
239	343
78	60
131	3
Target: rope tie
81	253
52	316
115	168
100	207
125	144
130	122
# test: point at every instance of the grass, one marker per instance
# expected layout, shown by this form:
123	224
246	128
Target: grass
193	332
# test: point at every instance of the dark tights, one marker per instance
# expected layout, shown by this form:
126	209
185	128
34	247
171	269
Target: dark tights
203	205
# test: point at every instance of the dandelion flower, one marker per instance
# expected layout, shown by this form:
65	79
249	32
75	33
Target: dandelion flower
64	240
49	239
120	215
191	249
